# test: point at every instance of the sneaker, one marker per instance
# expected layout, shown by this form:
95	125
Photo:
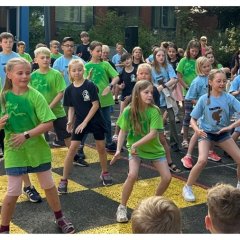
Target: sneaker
106	179
177	120
188	194
80	153
62	187
187	162
32	194
80	162
112	147
238	185
122	214
213	156
58	143
115	138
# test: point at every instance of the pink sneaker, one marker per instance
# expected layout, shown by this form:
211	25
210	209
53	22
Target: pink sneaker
187	162
213	156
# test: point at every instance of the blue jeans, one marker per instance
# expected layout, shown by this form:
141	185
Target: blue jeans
107	118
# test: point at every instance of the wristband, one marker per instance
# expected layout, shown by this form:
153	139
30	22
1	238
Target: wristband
26	135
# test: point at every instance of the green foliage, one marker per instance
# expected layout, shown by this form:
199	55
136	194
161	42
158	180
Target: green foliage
36	28
111	29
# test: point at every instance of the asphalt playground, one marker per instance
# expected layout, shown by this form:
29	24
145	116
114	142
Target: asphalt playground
92	207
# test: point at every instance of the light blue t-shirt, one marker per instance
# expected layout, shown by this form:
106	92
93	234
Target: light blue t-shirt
165	75
4	58
235	86
150	58
61	64
116	59
198	87
217	114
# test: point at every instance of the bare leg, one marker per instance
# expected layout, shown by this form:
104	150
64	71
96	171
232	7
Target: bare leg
53	199
100	145
134	165
203	148
165	174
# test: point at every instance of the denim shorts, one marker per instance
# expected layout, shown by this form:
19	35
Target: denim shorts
16	171
216	137
160	159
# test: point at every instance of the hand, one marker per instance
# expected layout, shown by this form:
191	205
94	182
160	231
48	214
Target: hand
80	127
160	88
17	140
133	151
127	100
225	129
115	157
69	128
201	133
3	121
106	91
122	86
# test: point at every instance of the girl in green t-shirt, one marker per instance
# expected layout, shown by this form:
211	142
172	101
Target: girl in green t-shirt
25	117
141	120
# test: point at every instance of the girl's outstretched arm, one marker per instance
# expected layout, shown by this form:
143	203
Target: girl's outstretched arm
121	139
230	127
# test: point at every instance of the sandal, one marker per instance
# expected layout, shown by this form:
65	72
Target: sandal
173	168
115	138
185	144
65	225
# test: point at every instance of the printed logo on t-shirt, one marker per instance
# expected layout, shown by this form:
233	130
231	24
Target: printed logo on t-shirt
133	78
86	96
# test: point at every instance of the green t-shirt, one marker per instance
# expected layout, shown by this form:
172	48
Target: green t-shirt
152	120
101	72
55	56
49	85
26	56
25	112
186	67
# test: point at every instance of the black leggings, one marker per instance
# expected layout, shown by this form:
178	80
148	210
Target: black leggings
2	135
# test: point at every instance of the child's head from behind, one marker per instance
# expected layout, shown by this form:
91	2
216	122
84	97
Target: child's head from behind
54	46
68	46
203	66
6	40
21	47
156	215
144	72
126	59
193	49
42	57
223	202
75	70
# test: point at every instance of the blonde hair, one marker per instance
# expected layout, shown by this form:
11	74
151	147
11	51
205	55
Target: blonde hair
72	62
54	42
136	106
8	82
42	50
145	66
223	201
156	214
199	63
106	48
211	76
140	49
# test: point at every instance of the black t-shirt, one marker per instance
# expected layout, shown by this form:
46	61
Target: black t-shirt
129	79
156	96
81	99
174	64
85	52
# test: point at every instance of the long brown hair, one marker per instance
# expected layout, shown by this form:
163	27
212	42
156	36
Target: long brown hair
137	106
155	63
8	82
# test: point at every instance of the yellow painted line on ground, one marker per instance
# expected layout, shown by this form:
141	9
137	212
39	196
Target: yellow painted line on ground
59	155
146	188
110	229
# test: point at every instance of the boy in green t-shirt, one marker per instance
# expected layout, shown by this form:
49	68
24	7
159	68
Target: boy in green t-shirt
21	45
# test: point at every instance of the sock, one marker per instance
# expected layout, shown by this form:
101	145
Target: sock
105	173
58	214
189	155
210	151
4	228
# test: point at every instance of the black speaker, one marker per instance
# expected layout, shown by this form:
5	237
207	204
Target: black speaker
131	38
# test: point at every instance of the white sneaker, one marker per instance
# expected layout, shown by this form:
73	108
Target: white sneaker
238	185
122	214
188	194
